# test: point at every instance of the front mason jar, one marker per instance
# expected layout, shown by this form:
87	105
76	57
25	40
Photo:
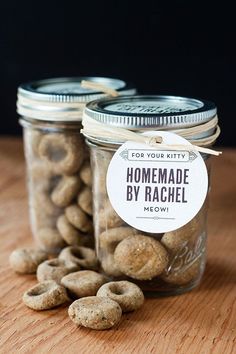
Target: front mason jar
161	263
58	164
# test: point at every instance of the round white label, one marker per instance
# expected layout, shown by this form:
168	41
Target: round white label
157	190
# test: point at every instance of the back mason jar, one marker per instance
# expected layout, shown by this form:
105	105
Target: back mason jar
150	179
58	166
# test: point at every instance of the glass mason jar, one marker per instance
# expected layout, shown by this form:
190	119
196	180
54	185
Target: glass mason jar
182	251
58	166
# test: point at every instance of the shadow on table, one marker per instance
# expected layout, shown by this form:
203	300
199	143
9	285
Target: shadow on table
217	275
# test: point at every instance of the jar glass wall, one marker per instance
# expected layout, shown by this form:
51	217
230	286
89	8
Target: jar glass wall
186	246
57	159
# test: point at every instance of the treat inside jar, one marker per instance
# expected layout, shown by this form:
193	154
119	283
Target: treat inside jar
54	187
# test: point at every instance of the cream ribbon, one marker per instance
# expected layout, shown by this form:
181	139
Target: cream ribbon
98	130
97	86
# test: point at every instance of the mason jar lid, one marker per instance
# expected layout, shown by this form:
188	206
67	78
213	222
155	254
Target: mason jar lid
63	99
147	112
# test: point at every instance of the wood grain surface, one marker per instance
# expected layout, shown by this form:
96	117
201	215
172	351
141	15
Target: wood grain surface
200	322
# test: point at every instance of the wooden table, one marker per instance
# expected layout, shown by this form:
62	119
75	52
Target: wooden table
202	321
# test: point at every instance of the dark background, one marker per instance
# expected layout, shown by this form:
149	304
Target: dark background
164	47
